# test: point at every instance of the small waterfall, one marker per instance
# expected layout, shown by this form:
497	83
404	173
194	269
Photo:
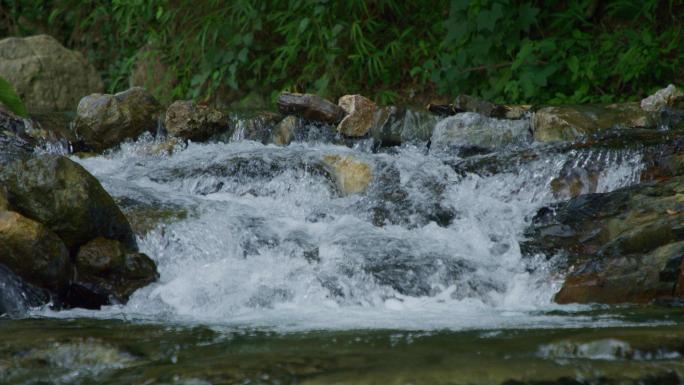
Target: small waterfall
252	234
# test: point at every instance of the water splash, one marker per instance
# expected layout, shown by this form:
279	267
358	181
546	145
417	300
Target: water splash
268	241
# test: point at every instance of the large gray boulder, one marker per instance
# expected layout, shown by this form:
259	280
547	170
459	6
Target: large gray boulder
104	121
46	75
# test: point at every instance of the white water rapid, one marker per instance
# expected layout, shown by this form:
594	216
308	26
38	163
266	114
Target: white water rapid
258	236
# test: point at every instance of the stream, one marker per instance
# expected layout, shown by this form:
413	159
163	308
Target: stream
270	274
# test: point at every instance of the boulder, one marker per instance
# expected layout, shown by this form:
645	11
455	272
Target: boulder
350	174
284	132
575	122
186	119
64	197
46	75
310	107
33	252
669	96
107	271
4	199
470	129
360	115
103	121
622	246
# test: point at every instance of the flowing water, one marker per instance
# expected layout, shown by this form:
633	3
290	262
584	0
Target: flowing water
269	273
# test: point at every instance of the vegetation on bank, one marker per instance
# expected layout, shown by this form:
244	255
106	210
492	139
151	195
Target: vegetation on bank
503	50
10	99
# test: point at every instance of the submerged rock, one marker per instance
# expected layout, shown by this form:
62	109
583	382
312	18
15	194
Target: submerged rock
46	75
574	122
107	271
351	175
669	96
474	130
187	120
103	121
33	252
623	246
310	107
360	115
64	197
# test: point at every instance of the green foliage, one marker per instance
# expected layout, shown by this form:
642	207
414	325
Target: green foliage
561	52
10	98
504	50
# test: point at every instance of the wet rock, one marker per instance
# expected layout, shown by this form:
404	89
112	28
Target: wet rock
17	296
187	120
33	252
474	130
284	132
64	197
351	175
467	103
396	125
621	246
103	121
46	75
107	271
257	126
574	122
4	199
310	107
360	115
669	96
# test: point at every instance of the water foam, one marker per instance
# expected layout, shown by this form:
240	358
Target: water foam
268	242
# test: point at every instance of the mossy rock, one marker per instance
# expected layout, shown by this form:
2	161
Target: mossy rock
63	196
33	252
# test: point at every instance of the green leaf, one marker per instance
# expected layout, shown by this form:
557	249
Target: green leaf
10	99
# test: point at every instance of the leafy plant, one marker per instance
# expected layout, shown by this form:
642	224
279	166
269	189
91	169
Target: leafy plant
10	99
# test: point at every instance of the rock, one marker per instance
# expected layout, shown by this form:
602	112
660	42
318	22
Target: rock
474	130
467	103
4	200
396	125
103	121
107	271
17	296
669	96
151	73
33	252
621	246
574	122
350	174
254	125
360	115
284	132
187	120
637	279
64	197
310	107
46	75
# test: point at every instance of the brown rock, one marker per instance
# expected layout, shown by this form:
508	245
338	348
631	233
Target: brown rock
104	121
669	96
283	133
574	122
310	107
360	115
109	270
33	252
187	120
351	175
